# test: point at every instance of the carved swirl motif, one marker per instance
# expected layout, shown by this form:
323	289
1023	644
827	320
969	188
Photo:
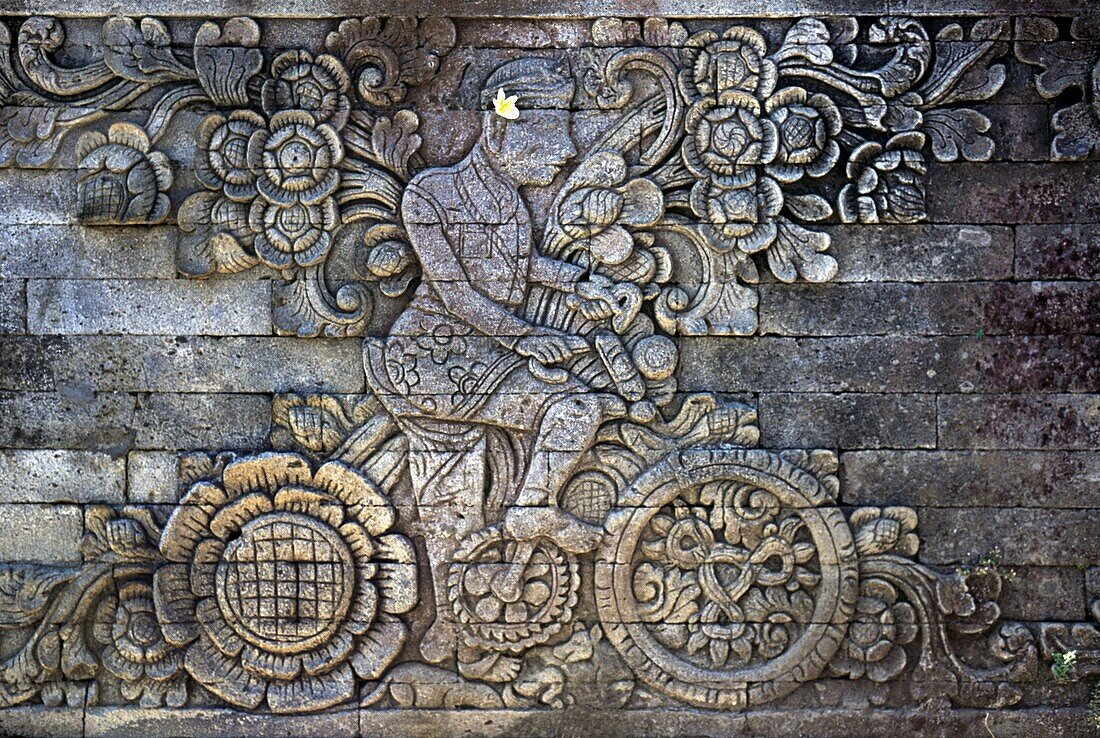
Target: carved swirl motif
727	582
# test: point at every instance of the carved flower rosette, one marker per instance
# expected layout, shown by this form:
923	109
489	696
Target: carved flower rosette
284	583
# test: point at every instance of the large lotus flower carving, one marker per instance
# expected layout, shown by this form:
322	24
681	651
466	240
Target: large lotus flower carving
300	82
807	126
727	138
284	583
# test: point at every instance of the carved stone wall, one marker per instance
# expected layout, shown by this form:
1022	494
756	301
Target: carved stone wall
597	369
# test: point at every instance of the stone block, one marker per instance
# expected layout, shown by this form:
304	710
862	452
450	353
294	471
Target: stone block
50	475
1024	536
1057	421
1044	593
27	362
189	363
76	252
201	421
920	253
149	306
813	420
71	418
1053	479
152	477
891	364
971	308
45	534
1013	193
13	306
1067	251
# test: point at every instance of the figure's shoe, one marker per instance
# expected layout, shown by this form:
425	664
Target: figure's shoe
567	532
439	644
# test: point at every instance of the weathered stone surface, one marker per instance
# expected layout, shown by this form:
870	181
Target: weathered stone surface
13	306
972	308
148	306
1013	193
894	364
846	421
537	373
1070	251
921	253
41	475
48	534
1040	537
1045	593
183	363
1051	479
1020	421
152	477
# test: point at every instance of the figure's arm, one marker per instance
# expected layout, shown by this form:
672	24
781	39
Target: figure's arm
556	274
442	270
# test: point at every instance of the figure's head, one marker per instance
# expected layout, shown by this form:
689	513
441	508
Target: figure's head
533	148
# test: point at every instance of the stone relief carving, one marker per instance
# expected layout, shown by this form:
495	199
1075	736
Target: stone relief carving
524	510
1067	64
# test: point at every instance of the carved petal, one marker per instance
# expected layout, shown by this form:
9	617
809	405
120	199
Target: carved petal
333	652
207	555
396	577
231	518
120	666
378	647
364	500
175	604
364	608
310	502
223	675
190	521
271	665
265	472
219	631
307	693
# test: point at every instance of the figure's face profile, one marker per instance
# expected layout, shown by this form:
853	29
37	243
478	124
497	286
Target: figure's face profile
535	147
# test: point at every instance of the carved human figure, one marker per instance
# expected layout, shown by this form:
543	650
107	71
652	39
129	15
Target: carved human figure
495	428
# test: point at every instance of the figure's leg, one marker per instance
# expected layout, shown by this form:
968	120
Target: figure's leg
448	476
565	433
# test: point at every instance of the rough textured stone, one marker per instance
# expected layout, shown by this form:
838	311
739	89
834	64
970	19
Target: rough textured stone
921	253
72	252
41	475
1040	537
847	421
1045	593
13	306
894	364
197	421
152	477
973	308
48	534
148	307
1053	479
182	363
1020	421
1013	193
1070	251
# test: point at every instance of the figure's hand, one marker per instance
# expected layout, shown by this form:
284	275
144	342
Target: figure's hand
596	298
551	349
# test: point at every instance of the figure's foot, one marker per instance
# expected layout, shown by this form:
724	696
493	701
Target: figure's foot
440	642
567	532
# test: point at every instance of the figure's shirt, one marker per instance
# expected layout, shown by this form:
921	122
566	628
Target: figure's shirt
485	222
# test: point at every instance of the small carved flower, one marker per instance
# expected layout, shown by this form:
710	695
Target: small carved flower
886	183
734	62
877	634
296	233
121	180
300	82
808	126
402	371
441	341
739	217
295	159
221	162
885	530
284	583
727	138
135	650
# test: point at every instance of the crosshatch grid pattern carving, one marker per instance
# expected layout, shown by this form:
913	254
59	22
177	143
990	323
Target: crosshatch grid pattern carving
705	389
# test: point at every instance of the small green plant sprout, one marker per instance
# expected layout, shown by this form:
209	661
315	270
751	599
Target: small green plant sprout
1063	666
989	564
1094	706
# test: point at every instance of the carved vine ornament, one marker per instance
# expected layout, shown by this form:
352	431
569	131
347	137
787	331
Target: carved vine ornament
524	421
